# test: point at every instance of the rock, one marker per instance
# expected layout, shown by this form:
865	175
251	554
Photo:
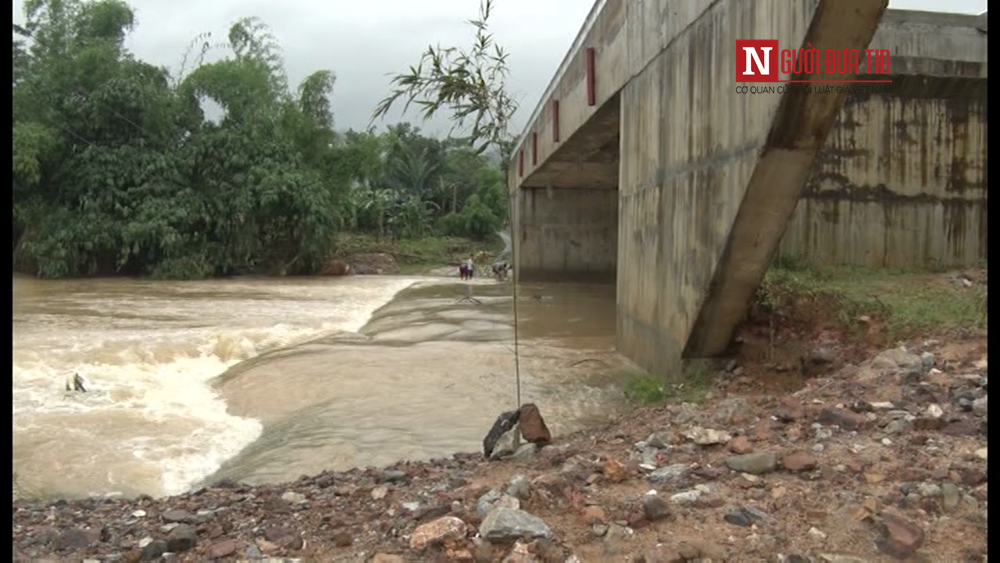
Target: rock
663	554
379	492
177	516
614	471
674	475
901	538
153	550
898	360
949	496
845	419
495	498
507	444
519	487
740	445
935	411
76	538
817	534
799	461
393	476
755	464
293	497
532	424
508	524
253	553
742	517
224	548
432	533
822	355
525	453
979	406
342	538
838	558
789	410
503	424
706	436
520	554
897	426
654	507
181	539
275	534
593	515
929	490
387	558
658	440
686	497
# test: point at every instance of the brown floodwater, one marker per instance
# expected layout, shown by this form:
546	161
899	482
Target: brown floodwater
264	380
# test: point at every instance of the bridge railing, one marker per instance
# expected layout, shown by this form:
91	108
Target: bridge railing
580	37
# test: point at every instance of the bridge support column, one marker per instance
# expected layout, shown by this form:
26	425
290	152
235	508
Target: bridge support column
709	177
566	234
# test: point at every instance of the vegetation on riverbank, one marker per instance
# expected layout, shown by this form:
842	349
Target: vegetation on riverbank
901	301
859	308
122	167
417	256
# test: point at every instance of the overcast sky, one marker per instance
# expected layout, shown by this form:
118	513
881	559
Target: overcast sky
362	42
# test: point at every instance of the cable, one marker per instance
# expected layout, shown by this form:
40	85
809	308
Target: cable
513	286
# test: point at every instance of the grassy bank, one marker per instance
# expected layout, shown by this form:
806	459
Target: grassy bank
903	302
867	308
416	256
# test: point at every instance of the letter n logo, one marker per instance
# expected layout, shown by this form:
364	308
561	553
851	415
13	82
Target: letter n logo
756	60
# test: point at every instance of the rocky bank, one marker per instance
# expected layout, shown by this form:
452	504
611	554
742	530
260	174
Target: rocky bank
881	461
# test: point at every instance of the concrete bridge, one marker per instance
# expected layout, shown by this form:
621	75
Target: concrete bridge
643	165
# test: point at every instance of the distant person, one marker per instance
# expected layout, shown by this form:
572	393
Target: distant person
463	271
500	270
75	383
470	267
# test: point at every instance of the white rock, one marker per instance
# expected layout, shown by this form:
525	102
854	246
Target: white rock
981	454
379	492
145	541
883	406
935	411
139	514
687	497
886	442
707	436
818	534
293	497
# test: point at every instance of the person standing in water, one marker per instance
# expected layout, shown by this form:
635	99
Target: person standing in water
470	267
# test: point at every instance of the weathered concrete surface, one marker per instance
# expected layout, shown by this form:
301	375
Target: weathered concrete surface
901	180
709	178
568	234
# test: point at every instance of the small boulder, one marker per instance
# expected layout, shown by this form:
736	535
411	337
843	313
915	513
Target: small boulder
654	507
224	548
532	424
845	419
755	464
799	461
503	524
901	538
181	539
438	531
502	426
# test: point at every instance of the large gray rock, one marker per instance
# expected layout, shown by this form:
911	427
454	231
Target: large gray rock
495	499
508	524
675	475
754	464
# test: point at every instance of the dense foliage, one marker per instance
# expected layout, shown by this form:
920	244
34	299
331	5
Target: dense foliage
119	168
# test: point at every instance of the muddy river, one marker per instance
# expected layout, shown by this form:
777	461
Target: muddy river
264	380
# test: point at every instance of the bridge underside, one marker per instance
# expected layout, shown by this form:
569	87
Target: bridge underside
677	188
